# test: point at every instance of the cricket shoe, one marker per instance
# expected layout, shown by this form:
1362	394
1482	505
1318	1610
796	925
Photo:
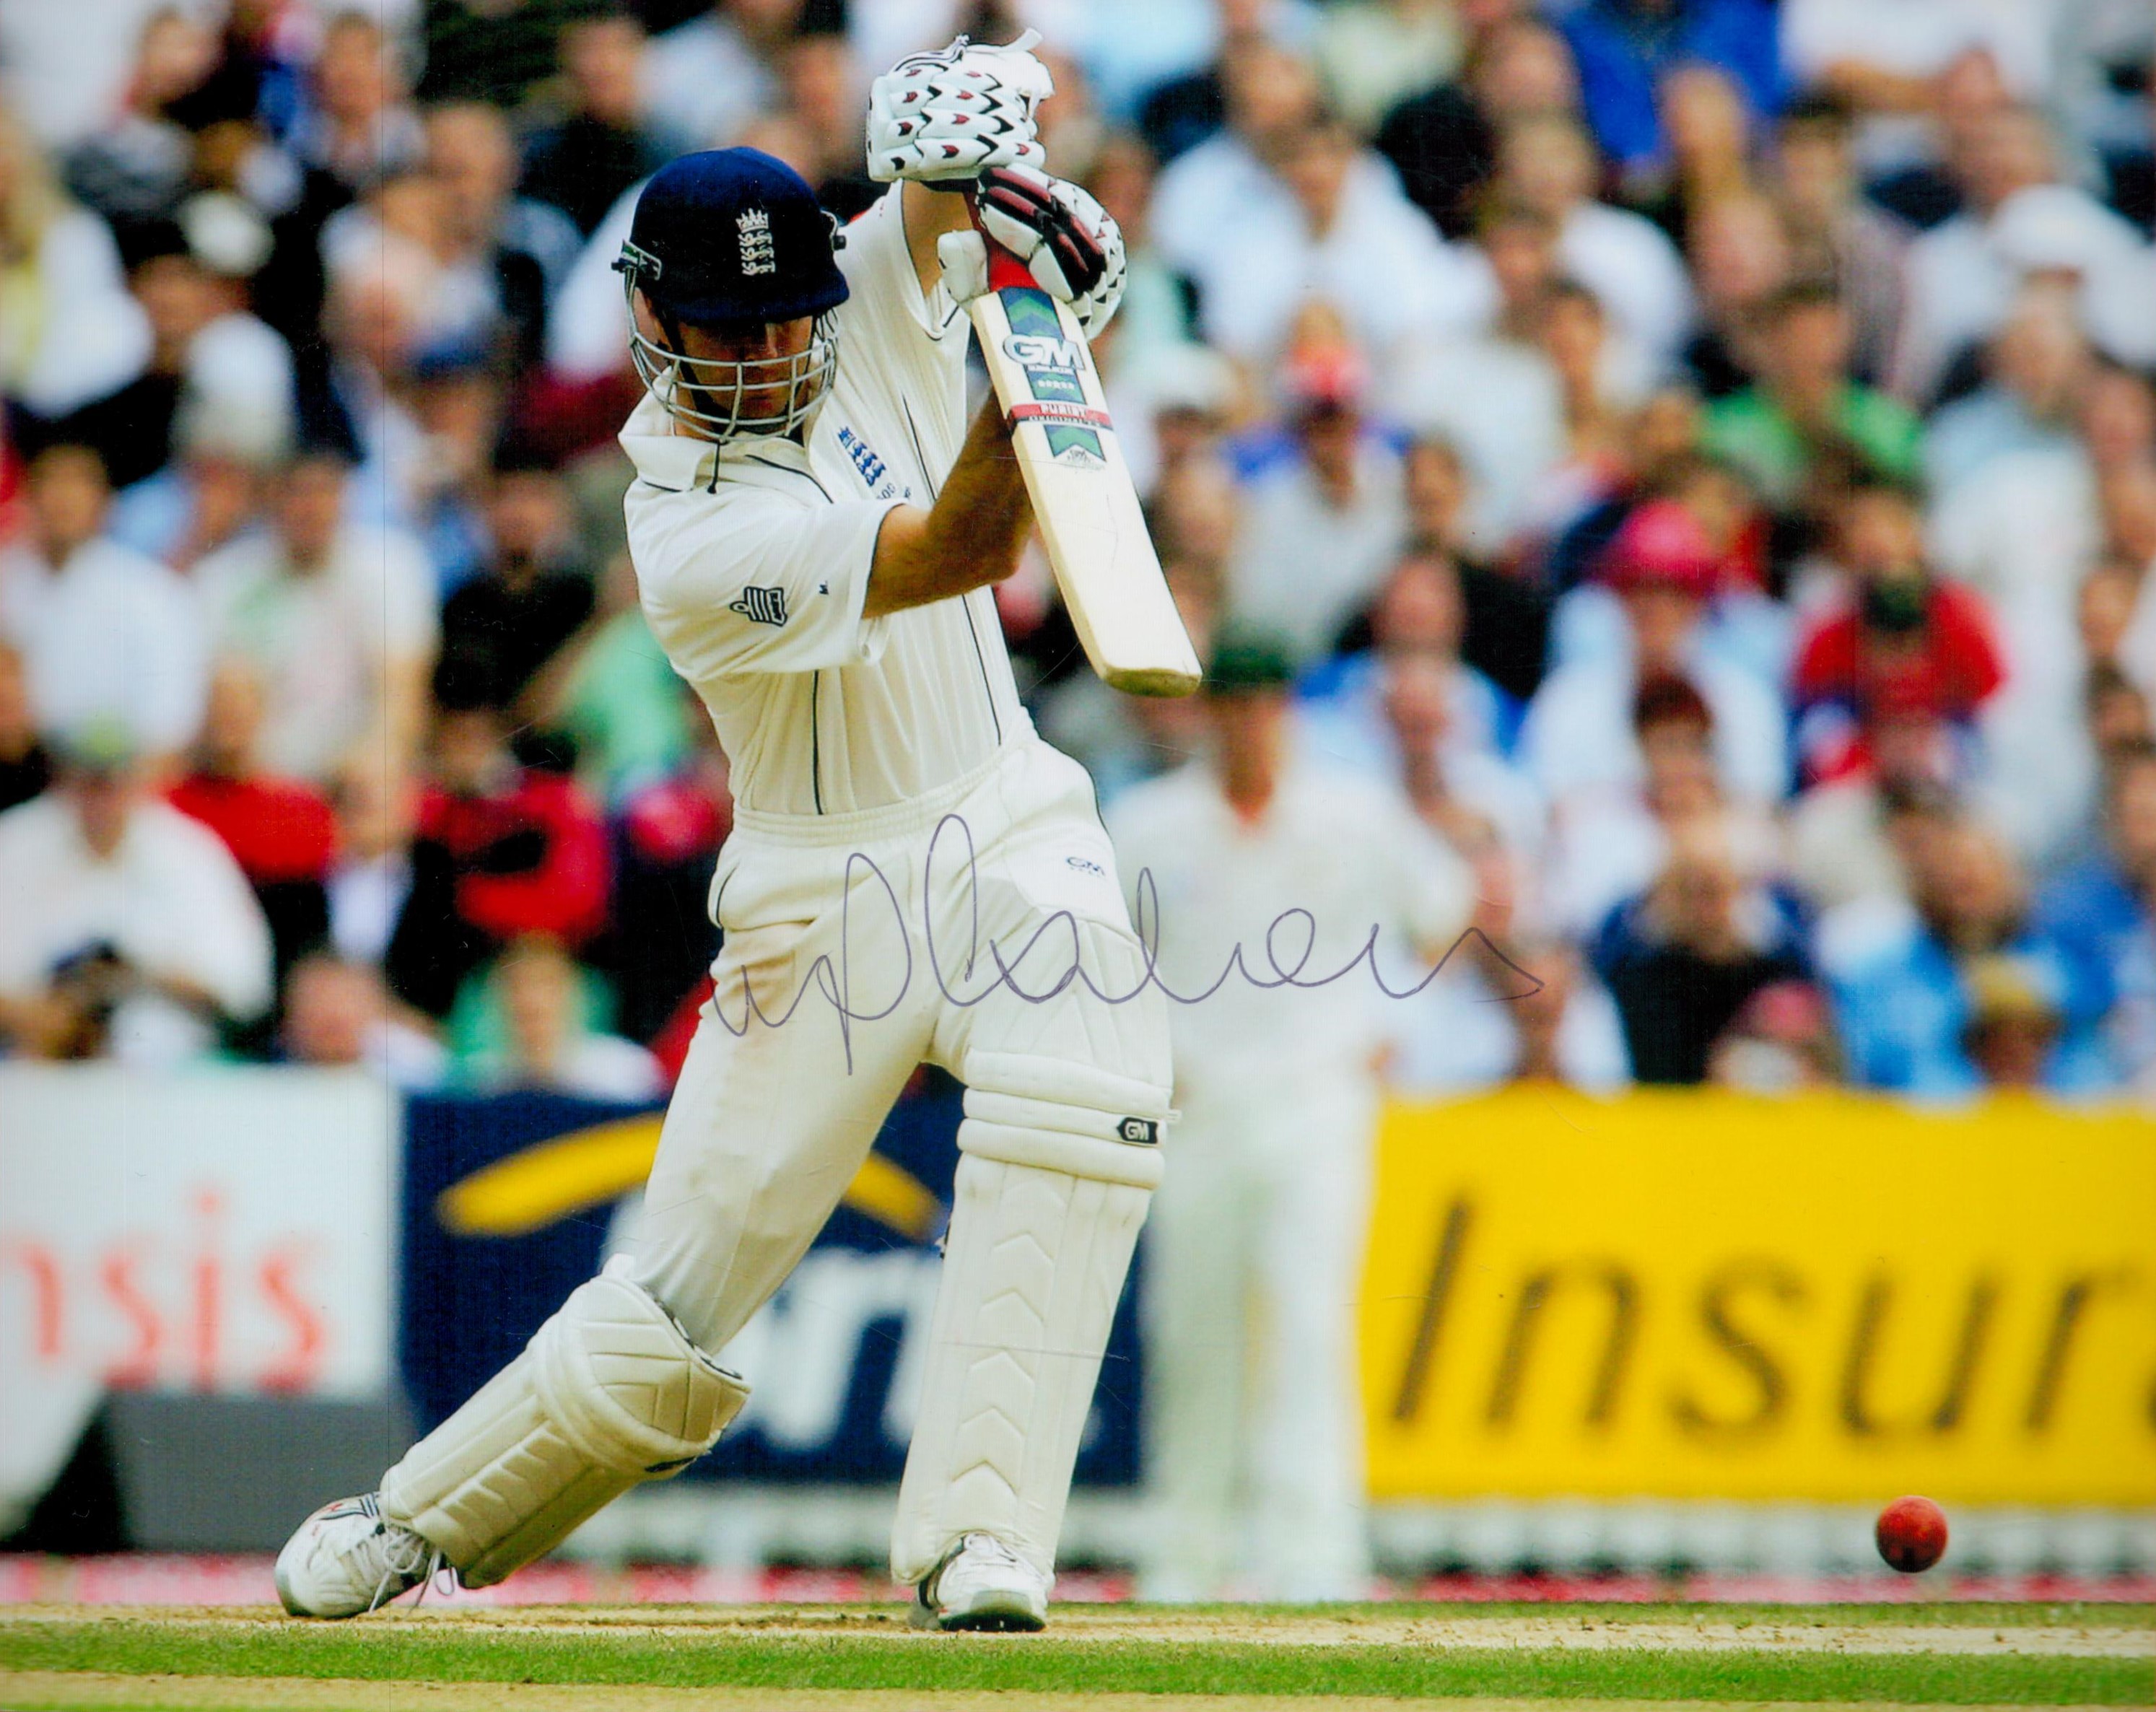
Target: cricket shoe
982	1584
347	1558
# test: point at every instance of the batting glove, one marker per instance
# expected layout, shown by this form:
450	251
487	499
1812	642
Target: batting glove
954	114
1068	241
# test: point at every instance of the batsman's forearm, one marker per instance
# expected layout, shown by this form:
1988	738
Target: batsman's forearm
971	537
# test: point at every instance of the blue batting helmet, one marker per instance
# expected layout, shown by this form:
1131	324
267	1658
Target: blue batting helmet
732	235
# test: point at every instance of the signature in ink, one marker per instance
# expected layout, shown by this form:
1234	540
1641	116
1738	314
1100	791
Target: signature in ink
1289	965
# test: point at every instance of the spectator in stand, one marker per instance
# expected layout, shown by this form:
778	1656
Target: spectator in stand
502	850
1420	610
377	806
2106	109
2102	912
704	80
480	51
2026	535
1836	231
1320	526
1781	1042
610	691
1373	55
1682	959
1661	452
1740	252
1549	165
1710	150
357	390
1441	392
1507	1006
1578	733
339	1015
213	491
1506	631
1609	844
399	235
823	98
666	840
358	124
1890	66
549	1044
532	595
1601	381
1444	142
583	161
1155	320
26	765
1462	792
1627	49
1568	1027
2014	1023
459	402
525	245
1345	237
126	930
2036	372
1847	839
2018	220
71	333
204	345
1899	640
135	165
1204	196
280	831
339	620
2105	609
1805	401
1901	974
2119	715
104	632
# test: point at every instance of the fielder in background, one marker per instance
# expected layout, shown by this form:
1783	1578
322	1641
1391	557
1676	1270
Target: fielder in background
1254	1437
913	876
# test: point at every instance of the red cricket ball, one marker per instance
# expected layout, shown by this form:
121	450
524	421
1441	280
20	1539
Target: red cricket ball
1912	1534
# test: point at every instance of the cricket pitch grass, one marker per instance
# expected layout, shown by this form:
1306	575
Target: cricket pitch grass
1093	1658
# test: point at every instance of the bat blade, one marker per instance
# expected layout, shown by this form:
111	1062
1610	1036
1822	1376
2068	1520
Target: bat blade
1083	498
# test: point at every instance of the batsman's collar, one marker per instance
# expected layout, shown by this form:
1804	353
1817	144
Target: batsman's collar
677	462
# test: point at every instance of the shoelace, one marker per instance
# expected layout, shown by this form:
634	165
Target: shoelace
406	1558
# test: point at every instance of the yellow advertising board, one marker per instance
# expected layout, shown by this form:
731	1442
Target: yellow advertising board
1695	1294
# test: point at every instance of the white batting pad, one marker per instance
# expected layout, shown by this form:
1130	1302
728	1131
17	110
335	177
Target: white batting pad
1045	1213
609	1393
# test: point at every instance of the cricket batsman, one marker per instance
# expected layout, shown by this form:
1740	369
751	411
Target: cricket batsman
913	875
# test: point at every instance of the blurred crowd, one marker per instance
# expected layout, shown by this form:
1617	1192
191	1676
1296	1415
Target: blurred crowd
1700	453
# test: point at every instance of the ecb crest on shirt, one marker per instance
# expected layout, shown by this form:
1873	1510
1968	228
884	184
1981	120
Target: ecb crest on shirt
761	606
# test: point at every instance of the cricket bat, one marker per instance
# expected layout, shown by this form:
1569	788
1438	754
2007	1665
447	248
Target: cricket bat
1080	488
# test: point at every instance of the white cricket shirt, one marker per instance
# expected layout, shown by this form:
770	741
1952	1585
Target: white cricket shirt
754	558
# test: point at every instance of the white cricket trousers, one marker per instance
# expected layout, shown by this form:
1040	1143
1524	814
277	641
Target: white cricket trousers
1252	1408
858	946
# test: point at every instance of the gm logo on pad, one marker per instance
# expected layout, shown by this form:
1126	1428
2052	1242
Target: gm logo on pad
1142	1132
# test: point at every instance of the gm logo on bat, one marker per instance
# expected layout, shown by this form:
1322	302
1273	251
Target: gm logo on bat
1038	351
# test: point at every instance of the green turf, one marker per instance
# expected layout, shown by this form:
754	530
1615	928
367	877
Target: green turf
689	1657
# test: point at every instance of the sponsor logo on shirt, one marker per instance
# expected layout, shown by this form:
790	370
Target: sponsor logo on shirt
761	606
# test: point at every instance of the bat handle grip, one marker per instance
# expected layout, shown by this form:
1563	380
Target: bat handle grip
1005	270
